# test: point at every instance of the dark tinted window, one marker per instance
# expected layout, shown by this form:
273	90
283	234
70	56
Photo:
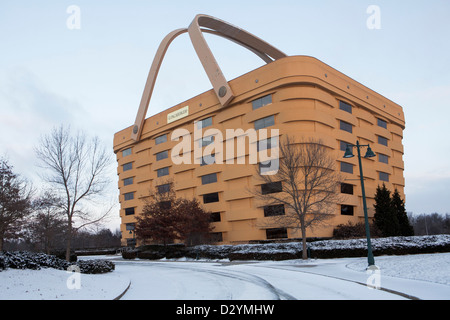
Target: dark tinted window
209	178
346	167
162	172
272	187
162	155
204	123
382	123
346	188
264	122
128	196
127	181
211	197
345	126
261	102
383	158
164	188
127	166
161	139
345	106
346	210
382	140
276	233
274	210
384	176
215	216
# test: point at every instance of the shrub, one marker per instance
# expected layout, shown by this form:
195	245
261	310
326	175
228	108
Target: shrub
36	261
353	231
95	266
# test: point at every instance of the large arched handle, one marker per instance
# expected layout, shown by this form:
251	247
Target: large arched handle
215	26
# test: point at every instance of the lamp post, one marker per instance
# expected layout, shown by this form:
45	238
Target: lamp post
369	154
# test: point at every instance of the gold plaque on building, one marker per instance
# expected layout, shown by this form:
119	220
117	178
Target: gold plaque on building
178	114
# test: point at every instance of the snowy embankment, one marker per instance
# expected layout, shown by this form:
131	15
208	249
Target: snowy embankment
325	248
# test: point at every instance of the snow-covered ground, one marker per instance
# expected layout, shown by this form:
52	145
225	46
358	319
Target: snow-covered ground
425	276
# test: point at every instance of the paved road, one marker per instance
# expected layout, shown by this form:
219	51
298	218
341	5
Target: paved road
242	281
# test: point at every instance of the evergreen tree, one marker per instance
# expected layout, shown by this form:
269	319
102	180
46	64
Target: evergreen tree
405	228
385	217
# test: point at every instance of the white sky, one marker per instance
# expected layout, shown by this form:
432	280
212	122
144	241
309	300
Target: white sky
93	77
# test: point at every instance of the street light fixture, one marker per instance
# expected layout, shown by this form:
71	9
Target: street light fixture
369	154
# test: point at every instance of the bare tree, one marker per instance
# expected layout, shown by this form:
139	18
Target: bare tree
47	226
306	184
15	202
77	172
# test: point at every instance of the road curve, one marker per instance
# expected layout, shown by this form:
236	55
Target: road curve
175	280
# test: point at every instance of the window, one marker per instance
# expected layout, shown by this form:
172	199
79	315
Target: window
383	141
215	216
162	172
343	145
164	188
276	233
268	166
216	236
345	126
127	166
165	205
129	211
264	122
203	142
209	178
383	176
266	144
126	152
131	242
128	196
129	226
271	187
382	123
211	197
346	167
346	188
128	181
208	159
383	158
274	210
346	210
161	139
345	106
204	123
261	102
162	155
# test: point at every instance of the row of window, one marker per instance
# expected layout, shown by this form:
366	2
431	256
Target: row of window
345	126
348	108
269	211
348	168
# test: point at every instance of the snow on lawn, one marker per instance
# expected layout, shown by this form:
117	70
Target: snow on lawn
53	284
426	267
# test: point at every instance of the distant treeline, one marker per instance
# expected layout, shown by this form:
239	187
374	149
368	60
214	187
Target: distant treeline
103	238
428	224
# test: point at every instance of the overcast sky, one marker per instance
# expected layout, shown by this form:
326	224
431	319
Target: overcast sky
91	74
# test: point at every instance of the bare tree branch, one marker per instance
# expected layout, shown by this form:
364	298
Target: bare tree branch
76	168
310	186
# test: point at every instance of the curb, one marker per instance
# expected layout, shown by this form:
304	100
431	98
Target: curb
123	293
